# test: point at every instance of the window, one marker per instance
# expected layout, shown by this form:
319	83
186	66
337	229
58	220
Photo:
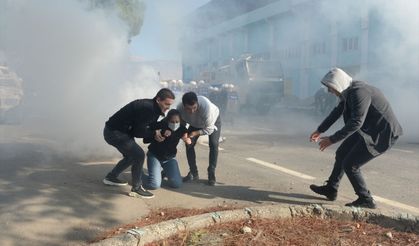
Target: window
356	43
349	44
345	44
290	52
318	48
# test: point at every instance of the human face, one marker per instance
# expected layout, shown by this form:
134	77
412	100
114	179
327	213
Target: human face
164	104
174	119
333	91
174	123
190	109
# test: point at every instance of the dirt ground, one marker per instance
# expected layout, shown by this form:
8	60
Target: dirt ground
296	231
293	231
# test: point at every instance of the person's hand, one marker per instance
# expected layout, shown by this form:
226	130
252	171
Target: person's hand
188	141
324	143
193	134
158	137
167	133
315	136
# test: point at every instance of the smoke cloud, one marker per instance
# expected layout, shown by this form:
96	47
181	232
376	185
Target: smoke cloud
76	69
307	34
395	53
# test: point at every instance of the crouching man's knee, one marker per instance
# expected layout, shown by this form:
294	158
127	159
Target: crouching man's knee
175	183
152	186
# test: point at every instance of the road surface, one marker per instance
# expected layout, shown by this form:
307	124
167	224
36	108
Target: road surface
48	198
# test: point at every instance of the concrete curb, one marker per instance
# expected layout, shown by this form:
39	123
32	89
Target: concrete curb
147	234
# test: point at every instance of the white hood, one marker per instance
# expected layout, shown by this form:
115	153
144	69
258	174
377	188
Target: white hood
337	79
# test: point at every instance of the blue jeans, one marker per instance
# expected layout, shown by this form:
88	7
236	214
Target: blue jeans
154	167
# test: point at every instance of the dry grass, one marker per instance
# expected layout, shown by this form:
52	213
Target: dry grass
295	231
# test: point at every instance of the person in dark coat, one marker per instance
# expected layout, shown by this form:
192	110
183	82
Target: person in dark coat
134	120
370	129
163	154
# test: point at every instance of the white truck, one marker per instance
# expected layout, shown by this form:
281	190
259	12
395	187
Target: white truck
259	82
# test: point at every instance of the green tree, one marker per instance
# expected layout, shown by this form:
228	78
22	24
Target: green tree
131	12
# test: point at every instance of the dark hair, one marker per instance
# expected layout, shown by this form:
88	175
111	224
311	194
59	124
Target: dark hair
189	98
164	93
172	112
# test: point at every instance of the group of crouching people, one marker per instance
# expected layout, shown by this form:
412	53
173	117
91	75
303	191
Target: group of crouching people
370	129
139	119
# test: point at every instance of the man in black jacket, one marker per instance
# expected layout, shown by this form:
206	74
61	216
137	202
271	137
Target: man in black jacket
134	120
370	129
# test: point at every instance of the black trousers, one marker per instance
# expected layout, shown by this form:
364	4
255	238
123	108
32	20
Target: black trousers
351	155
213	149
133	155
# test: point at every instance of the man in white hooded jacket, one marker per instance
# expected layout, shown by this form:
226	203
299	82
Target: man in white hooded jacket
370	129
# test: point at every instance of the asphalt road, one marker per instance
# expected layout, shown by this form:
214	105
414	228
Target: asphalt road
47	198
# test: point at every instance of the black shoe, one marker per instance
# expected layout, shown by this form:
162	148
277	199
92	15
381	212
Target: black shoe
141	192
363	203
113	181
325	190
211	178
190	177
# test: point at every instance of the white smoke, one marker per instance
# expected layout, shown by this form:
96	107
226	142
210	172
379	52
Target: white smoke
75	66
320	26
395	50
399	49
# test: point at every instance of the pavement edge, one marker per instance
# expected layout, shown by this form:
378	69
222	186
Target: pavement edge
398	221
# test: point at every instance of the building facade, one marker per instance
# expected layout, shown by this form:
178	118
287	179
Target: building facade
307	36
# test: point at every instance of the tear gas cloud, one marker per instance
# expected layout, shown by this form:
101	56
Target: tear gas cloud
396	53
75	66
401	82
392	63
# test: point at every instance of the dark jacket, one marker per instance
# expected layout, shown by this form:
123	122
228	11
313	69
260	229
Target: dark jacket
135	118
165	150
365	111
